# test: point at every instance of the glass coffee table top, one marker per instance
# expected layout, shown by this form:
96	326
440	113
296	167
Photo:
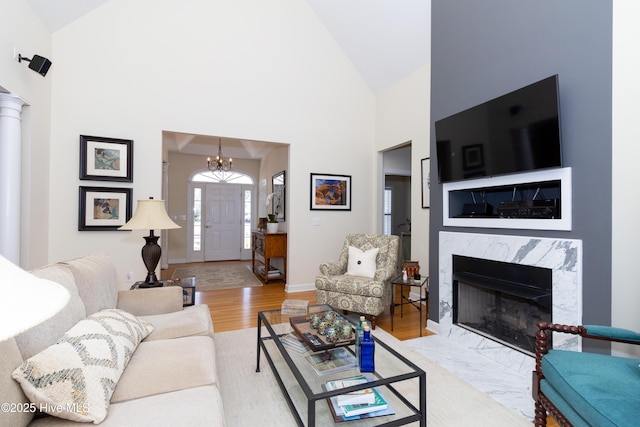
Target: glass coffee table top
402	383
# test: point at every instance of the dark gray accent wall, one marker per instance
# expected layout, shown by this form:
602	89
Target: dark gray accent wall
484	49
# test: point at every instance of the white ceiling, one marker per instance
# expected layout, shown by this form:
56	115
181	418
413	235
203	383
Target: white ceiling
386	40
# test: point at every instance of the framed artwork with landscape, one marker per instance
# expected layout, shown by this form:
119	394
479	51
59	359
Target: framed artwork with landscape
106	159
103	209
330	192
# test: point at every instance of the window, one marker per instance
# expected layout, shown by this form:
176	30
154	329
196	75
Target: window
223	177
197	219
386	218
247	219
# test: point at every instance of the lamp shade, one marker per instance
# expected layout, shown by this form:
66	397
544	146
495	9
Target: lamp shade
26	299
150	215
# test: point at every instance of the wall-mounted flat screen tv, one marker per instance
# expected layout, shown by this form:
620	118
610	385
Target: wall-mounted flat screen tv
516	132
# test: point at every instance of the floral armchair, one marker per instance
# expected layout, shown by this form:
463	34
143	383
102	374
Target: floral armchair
349	286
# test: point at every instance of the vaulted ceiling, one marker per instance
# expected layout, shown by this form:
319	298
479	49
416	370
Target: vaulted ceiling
386	40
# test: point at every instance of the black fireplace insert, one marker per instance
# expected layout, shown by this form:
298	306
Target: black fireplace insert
500	300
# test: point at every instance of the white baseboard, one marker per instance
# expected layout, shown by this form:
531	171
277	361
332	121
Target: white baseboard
301	287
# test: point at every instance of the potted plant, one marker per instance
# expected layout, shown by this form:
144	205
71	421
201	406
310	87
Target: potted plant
272	218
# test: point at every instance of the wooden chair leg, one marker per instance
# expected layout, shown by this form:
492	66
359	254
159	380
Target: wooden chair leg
373	323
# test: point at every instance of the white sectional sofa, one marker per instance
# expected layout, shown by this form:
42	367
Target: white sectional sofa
169	378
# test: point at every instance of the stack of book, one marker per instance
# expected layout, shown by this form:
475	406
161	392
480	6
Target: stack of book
365	403
294	307
272	273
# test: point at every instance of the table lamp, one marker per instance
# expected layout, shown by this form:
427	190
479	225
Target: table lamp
27	300
150	215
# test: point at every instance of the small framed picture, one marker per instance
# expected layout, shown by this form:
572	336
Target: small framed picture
426	182
103	209
330	192
106	159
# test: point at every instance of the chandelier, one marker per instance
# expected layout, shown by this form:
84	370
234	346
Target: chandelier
220	164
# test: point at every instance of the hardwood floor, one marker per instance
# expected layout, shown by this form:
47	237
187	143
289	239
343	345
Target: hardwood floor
238	308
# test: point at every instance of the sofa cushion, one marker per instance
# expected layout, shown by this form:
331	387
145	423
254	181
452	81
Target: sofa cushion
97	281
46	333
603	389
146	302
195	407
194	320
362	263
75	377
10	391
167	365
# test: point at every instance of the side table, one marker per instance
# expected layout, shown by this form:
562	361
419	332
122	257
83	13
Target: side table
188	288
422	283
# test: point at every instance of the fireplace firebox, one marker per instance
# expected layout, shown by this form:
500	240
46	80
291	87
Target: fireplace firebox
500	300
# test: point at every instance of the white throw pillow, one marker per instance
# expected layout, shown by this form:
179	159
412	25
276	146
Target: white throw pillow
75	377
362	263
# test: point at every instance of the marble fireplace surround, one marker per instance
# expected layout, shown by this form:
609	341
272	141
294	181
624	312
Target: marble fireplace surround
562	256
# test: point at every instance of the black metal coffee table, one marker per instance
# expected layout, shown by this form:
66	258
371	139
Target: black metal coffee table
402	383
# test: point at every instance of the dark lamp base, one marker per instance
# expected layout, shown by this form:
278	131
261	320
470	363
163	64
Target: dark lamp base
150	285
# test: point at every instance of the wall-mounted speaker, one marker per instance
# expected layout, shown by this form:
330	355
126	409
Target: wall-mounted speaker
40	64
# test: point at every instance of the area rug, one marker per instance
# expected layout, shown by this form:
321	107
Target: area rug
219	276
451	402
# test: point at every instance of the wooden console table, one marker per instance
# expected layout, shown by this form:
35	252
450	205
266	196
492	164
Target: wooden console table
265	246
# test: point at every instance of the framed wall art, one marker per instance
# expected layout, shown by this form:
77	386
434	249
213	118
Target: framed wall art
106	159
330	192
426	182
103	209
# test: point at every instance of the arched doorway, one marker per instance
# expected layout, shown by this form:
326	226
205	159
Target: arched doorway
223	205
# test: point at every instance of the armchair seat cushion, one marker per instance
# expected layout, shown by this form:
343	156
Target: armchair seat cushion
603	389
352	285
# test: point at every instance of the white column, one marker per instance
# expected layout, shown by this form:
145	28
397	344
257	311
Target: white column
10	175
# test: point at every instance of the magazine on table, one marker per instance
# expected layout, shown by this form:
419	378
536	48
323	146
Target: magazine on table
331	361
292	341
356	411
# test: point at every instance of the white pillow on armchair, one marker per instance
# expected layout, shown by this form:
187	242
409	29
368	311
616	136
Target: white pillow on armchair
362	263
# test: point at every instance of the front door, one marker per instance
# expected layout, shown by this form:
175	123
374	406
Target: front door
223	222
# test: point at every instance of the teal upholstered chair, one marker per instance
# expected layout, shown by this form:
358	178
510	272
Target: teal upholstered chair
586	389
358	282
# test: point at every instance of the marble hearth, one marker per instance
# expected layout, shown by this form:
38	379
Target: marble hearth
562	256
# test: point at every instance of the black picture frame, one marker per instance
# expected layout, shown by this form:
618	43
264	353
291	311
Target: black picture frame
106	159
103	208
329	192
278	187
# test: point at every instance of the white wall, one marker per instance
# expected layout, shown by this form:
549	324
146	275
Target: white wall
248	68
626	151
21	28
402	114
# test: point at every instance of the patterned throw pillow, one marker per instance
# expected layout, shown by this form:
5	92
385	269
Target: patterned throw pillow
75	377
362	263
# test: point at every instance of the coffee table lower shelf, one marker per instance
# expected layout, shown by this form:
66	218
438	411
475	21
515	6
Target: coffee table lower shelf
401	382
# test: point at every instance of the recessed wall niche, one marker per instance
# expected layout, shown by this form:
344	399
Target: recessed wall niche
489	202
